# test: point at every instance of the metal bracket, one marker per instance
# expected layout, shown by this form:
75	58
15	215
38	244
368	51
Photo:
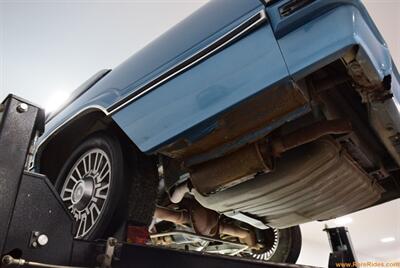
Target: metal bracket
38	239
106	258
244	218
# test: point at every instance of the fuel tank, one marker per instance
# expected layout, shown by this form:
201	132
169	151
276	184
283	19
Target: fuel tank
316	181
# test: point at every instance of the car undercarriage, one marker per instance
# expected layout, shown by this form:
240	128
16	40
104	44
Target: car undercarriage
235	136
330	162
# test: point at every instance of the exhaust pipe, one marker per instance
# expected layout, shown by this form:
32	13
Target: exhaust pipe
308	134
175	216
245	236
205	222
241	165
179	193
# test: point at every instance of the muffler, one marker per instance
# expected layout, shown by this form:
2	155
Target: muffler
229	170
241	165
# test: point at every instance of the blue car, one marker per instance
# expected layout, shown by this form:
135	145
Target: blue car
224	134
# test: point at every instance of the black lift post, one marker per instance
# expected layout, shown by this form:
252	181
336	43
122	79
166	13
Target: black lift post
19	123
34	223
341	246
37	230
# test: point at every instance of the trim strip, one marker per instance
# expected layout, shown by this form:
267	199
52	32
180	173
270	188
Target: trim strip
214	47
246	26
94	79
69	120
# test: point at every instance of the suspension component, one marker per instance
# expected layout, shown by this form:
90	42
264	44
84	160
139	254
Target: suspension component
205	222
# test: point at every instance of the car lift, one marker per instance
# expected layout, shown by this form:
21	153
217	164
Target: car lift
36	229
341	246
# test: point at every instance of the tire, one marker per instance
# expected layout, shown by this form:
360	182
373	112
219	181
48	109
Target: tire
102	188
288	246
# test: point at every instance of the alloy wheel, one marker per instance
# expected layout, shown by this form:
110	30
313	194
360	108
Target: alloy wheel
86	188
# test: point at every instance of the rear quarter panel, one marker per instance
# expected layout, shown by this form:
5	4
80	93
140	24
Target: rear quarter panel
338	26
184	105
220	82
322	31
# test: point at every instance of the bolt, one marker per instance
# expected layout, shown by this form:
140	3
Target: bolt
7	260
34	244
42	240
112	242
36	233
22	108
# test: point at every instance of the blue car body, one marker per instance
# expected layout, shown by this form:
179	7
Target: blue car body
180	89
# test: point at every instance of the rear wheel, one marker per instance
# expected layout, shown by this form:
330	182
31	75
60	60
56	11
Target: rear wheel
279	245
101	187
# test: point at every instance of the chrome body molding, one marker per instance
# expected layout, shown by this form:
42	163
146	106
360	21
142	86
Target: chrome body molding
242	29
248	25
69	120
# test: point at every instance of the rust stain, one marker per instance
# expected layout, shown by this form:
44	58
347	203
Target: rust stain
231	169
248	117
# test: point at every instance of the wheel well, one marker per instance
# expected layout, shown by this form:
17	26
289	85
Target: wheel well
55	151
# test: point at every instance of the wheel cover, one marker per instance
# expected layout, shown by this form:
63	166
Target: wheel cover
86	189
270	249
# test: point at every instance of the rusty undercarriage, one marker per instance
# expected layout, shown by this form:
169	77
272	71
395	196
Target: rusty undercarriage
257	171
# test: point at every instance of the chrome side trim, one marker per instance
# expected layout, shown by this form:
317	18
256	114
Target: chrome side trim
206	52
69	120
94	79
250	24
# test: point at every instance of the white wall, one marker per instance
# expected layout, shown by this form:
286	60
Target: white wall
314	253
317	254
53	46
366	229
